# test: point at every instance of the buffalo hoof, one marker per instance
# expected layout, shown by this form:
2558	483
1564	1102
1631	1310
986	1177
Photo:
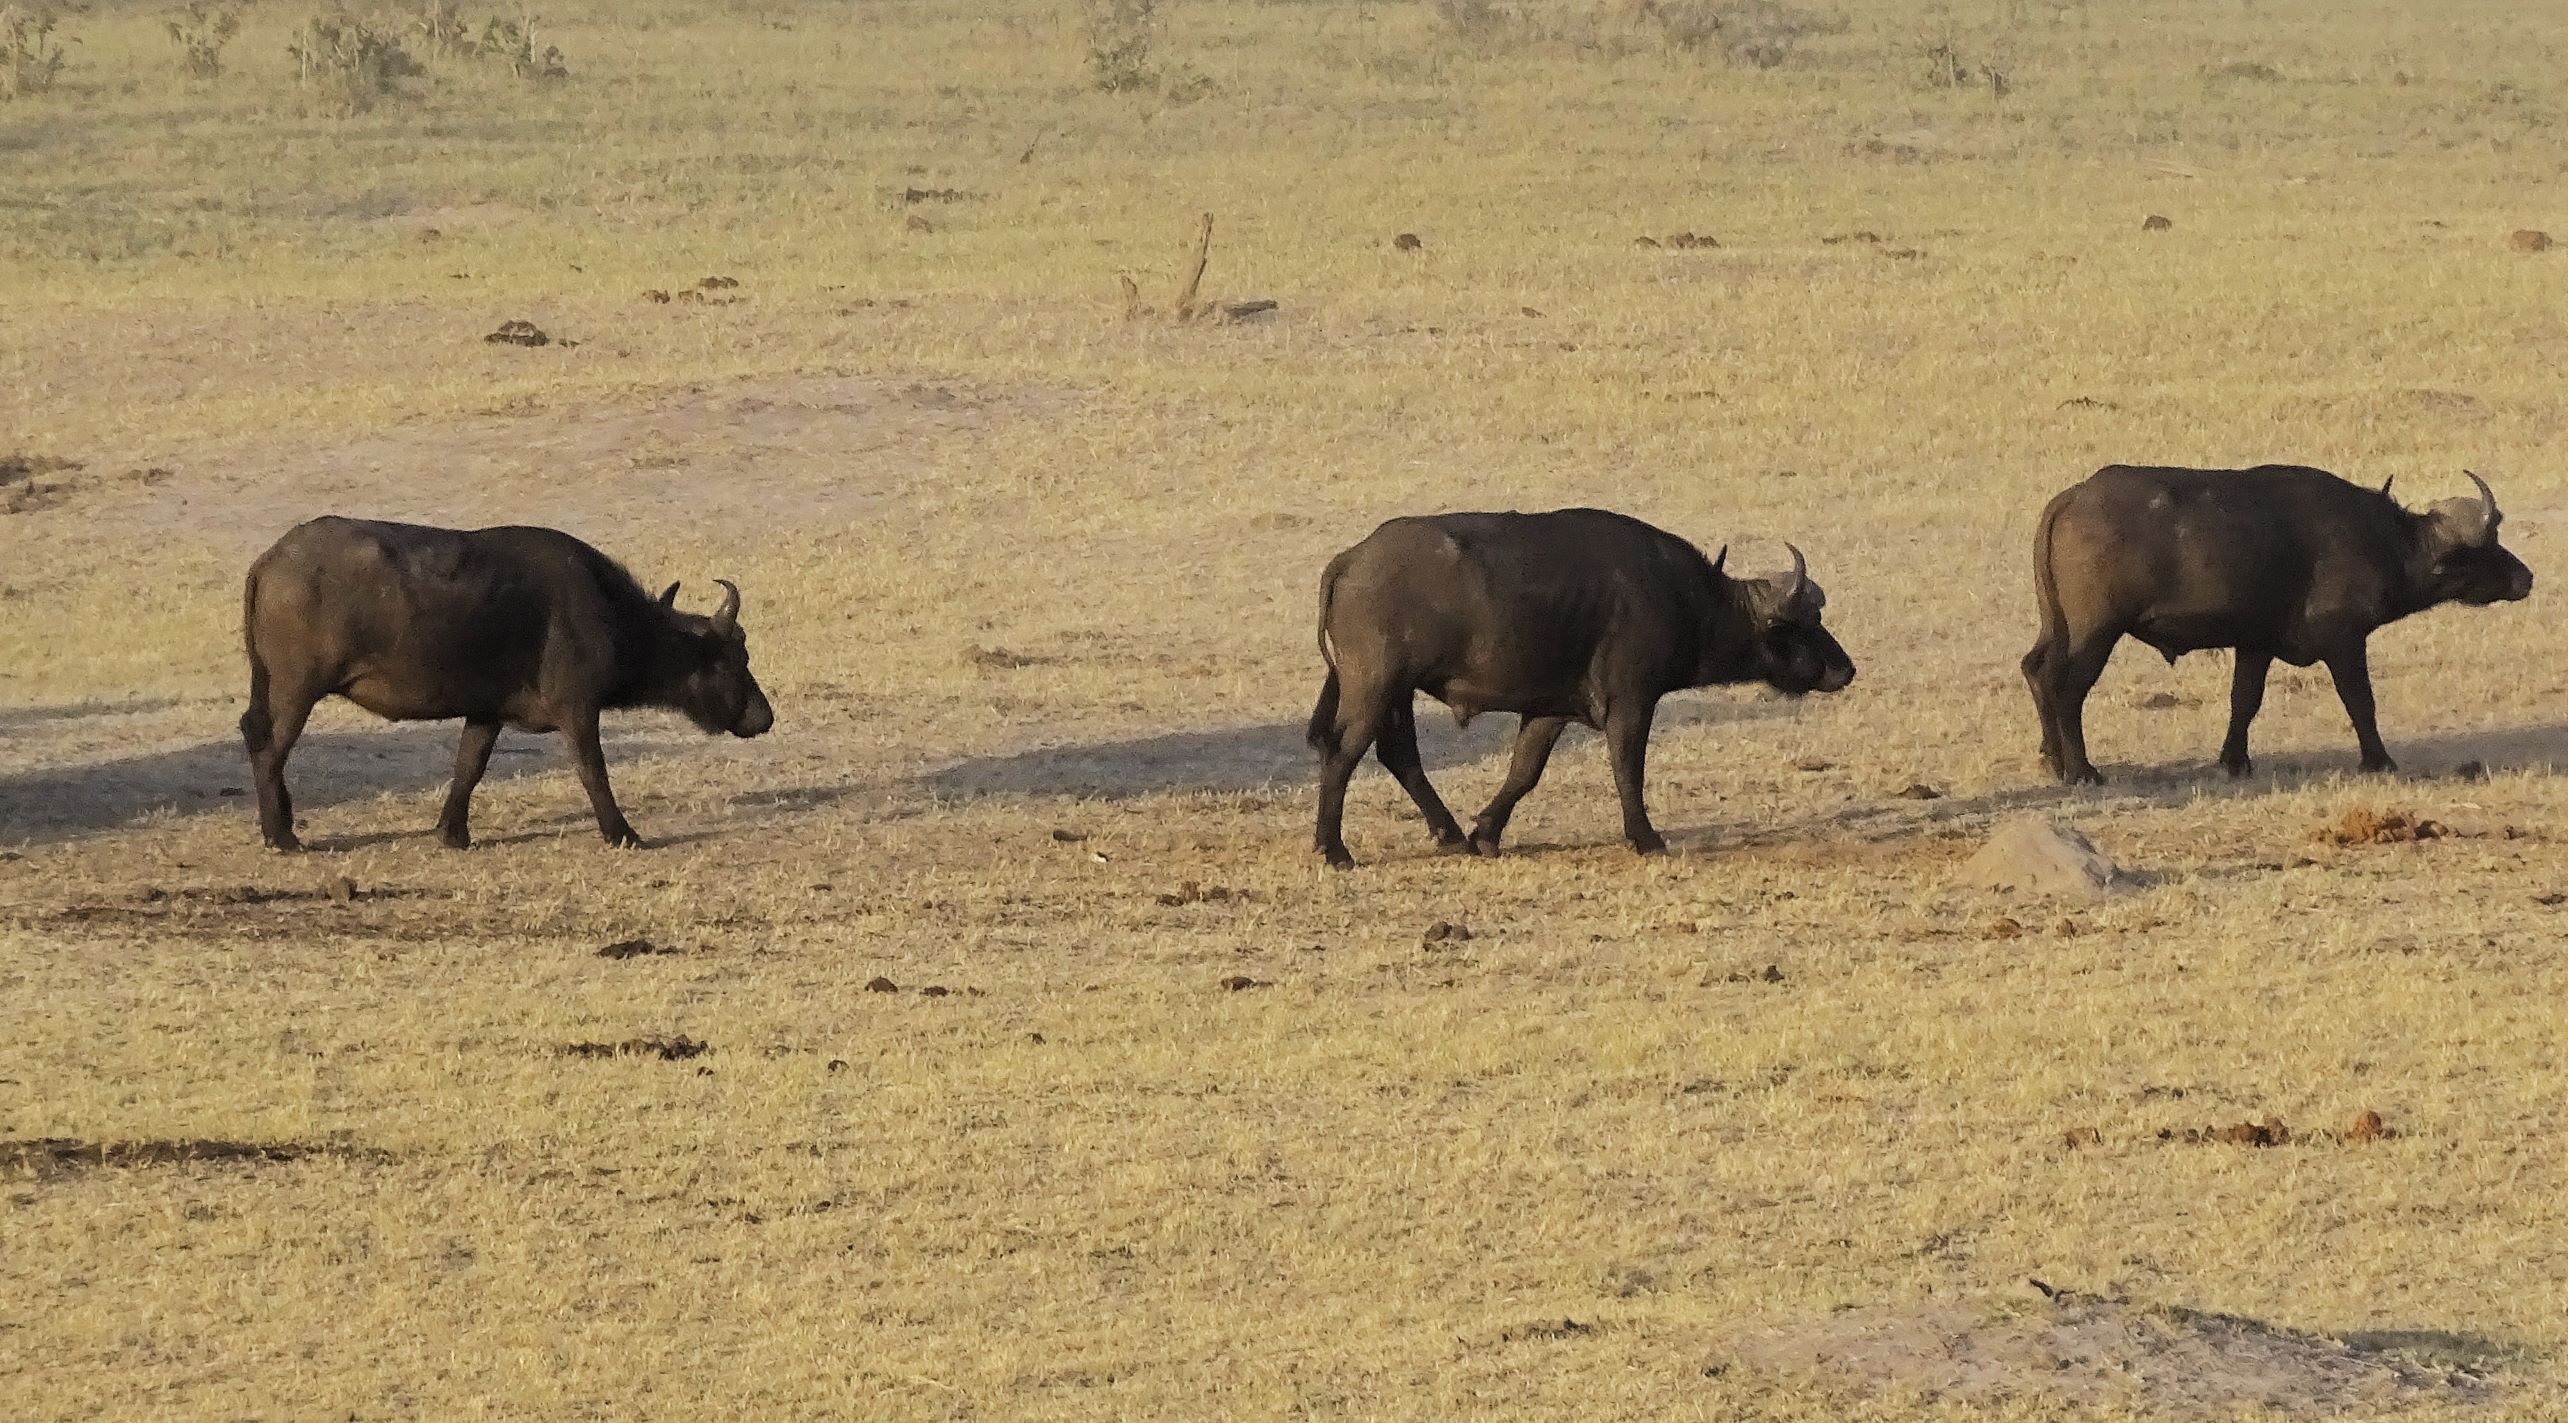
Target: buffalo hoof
2085	776
454	837
1484	843
1651	843
2379	765
1337	857
285	845
2239	769
625	839
1455	844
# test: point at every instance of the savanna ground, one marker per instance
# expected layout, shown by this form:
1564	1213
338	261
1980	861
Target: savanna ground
1031	587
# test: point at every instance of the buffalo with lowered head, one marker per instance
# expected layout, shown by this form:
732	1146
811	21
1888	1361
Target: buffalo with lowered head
2276	561
518	627
1574	615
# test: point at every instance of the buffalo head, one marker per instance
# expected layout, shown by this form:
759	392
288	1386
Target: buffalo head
1791	649
708	673
2464	562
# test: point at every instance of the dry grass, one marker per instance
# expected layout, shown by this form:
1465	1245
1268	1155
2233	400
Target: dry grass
1031	588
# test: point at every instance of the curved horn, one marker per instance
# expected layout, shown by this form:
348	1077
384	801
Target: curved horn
2488	498
669	596
2385	485
1718	558
1800	575
727	617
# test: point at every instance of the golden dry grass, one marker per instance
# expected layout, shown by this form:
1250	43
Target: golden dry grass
1089	1180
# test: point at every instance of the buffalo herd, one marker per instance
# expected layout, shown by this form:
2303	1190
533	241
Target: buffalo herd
1575	615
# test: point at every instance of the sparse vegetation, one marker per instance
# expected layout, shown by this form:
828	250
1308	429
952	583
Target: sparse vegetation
345	64
1122	39
200	29
31	55
511	44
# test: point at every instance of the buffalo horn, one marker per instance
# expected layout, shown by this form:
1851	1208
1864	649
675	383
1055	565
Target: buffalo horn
2487	500
1800	576
727	616
1718	557
669	596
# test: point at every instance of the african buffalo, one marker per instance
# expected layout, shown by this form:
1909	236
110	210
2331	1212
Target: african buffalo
2275	561
521	627
1577	614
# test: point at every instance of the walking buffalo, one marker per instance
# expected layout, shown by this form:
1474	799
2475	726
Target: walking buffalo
1577	614
520	627
2275	561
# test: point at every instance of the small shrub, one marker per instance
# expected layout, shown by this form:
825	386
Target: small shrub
30	56
200	29
1121	35
442	30
1474	20
512	43
345	65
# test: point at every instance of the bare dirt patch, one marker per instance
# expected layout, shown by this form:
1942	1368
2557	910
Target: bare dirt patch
2090	1351
754	455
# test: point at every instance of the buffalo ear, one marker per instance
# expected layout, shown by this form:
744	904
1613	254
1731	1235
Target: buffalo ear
669	596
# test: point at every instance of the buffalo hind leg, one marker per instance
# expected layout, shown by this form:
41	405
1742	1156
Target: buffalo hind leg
2246	697
2069	674
581	729
269	729
1397	746
2036	674
472	757
1535	737
1627	738
2352	671
1361	713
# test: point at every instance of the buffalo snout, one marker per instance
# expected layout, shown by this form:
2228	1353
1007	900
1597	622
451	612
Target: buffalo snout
755	718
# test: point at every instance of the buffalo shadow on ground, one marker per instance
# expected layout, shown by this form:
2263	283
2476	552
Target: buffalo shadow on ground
1232	759
329	768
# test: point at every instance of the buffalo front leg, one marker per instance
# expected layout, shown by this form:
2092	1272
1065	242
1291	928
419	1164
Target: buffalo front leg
1535	737
1627	738
582	731
1398	748
2246	696
472	757
2352	672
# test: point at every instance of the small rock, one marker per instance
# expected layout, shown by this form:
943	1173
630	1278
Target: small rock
519	333
1069	837
2379	827
1241	983
1813	763
2270	1132
837	1064
2552	900
2004	927
1645	242
341	889
715	284
1918	790
881	985
656	297
2367	1127
2156	222
2528	239
1441	932
934	990
2159	701
1407	242
2032	855
2078	1137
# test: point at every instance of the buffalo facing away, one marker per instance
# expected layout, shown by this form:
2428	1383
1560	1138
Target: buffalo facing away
1577	614
519	627
2276	561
